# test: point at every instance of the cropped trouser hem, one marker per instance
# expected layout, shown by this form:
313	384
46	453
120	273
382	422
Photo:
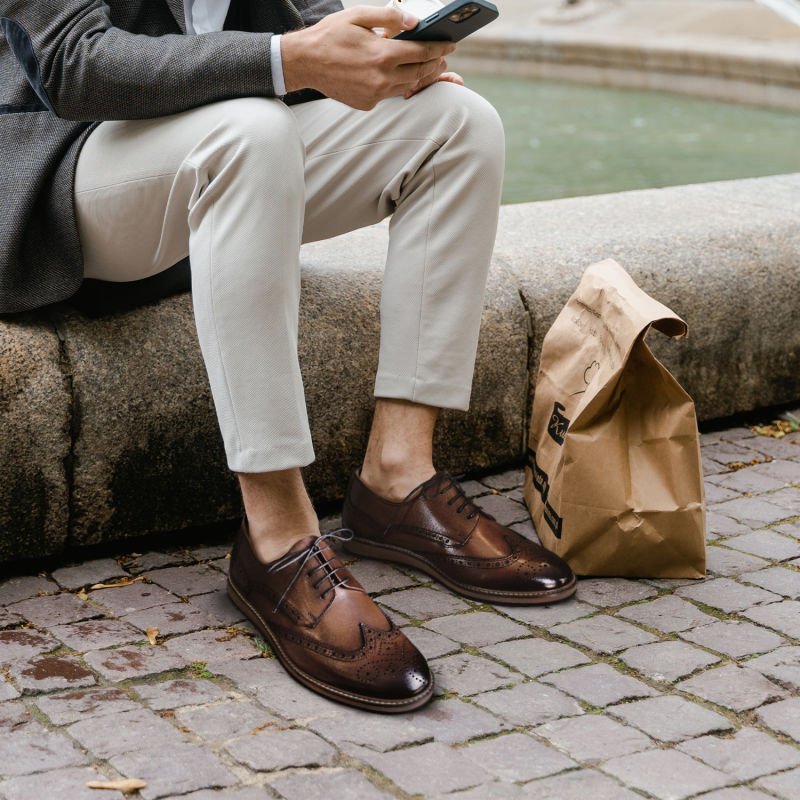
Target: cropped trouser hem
429	393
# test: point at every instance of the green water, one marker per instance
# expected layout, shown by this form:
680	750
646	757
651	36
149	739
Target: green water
566	140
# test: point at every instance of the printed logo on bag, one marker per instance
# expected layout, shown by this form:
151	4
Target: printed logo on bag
541	482
557	428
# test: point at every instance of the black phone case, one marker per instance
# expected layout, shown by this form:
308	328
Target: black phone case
438	28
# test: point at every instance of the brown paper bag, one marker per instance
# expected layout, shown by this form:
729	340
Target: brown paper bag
613	479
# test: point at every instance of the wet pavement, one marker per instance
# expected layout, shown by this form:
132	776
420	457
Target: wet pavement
139	667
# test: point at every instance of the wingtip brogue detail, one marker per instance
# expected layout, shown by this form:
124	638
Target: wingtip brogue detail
325	629
440	531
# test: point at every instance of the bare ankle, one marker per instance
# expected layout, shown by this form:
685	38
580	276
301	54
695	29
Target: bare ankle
395	481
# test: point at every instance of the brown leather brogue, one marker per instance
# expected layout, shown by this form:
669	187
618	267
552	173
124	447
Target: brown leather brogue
441	532
325	629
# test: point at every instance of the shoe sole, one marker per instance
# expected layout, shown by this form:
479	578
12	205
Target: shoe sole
386	552
315	684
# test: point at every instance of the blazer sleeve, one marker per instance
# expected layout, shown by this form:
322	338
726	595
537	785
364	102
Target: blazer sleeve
82	67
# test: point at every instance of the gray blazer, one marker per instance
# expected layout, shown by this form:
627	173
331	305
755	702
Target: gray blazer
65	65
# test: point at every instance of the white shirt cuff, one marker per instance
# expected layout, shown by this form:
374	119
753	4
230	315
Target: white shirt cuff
276	65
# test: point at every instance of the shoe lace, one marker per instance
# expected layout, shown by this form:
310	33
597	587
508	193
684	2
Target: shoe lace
447	483
302	558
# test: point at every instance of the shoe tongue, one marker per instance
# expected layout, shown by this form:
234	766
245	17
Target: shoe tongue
434	480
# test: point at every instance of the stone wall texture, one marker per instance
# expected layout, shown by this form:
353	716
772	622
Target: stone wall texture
107	425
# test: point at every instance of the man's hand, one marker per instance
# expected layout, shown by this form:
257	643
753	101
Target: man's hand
342	57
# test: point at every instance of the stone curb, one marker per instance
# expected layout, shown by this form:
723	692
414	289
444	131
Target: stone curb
109	429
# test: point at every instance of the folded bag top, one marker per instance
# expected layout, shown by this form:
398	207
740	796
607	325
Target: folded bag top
613	479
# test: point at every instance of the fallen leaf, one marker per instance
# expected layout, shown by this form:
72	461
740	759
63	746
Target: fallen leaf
82	595
152	635
126	785
123	582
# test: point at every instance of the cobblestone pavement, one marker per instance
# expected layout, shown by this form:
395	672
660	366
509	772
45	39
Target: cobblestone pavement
637	688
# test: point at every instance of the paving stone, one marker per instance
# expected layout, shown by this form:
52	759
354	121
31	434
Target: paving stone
77	704
423	603
268	681
425	769
720	525
269	750
526	528
727	595
788	498
8	619
96	634
430	644
766	544
133	662
488	791
782	665
786	785
666	774
466	674
783	617
171	618
511	479
49	673
780	580
505	510
736	793
144	562
12	590
734	638
347	784
7	691
727	453
111	735
377	576
178	692
746	481
783	717
250	793
474	488
718	494
228	720
578	785
13	716
747	755
175	770
87	573
599	685
754	511
478	629
67	783
733	687
30	748
729	563
670	719
668	614
517	757
789	528
610	592
782	470
453	721
127	599
667	661
211	552
536	657
593	737
603	634
212	646
187	581
16	644
529	704
57	609
366	729
218	605
548	616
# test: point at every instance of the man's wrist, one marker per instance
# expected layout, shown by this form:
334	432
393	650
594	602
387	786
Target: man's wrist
294	60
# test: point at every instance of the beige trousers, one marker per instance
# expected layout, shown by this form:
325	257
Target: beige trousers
238	185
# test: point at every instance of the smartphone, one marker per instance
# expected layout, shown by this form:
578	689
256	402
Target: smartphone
453	22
